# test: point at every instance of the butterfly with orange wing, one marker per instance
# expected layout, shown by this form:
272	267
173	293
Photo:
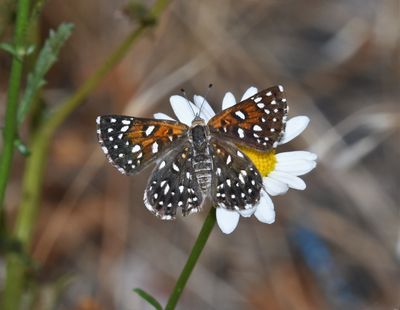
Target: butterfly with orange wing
200	160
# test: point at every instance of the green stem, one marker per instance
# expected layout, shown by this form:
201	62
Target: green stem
192	260
10	126
35	165
32	182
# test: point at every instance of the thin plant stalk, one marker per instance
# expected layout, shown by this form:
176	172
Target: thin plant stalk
192	260
10	125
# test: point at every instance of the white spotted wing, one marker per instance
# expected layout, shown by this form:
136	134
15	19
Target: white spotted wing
132	143
173	185
184	157
257	122
236	182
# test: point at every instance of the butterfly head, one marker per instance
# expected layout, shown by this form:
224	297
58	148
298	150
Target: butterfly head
198	121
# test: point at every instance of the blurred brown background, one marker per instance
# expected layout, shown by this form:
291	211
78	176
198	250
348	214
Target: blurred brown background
334	246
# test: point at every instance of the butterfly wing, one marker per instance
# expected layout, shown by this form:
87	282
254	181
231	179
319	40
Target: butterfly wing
132	143
257	122
173	185
236	182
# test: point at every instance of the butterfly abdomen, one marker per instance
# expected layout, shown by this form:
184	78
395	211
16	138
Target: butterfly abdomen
202	165
202	161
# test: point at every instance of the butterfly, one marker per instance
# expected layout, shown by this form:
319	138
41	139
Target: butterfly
204	159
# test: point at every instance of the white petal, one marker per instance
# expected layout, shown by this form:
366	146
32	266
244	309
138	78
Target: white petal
227	220
274	187
291	180
288	156
294	127
265	211
163	116
296	167
182	109
228	101
248	93
206	111
247	212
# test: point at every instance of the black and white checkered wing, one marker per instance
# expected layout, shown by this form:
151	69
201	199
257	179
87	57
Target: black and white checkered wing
257	122
173	185
236	182
131	143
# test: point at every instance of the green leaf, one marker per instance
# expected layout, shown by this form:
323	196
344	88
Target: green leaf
46	58
150	299
18	52
21	147
30	49
8	48
37	10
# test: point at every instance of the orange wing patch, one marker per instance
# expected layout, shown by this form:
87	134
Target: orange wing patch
132	143
147	131
257	122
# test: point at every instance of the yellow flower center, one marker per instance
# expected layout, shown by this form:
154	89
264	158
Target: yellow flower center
264	161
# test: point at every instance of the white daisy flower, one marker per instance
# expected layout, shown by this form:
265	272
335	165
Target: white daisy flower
279	171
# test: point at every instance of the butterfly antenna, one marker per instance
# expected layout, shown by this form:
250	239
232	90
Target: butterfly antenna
204	99
191	108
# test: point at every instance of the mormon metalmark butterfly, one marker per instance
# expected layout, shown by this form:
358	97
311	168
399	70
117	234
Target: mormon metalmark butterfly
200	160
